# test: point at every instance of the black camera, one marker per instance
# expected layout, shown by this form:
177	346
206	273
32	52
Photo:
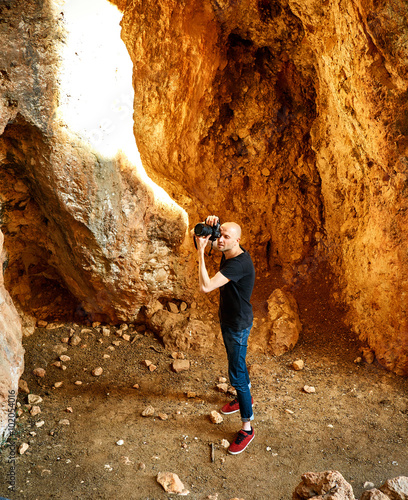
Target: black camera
207	230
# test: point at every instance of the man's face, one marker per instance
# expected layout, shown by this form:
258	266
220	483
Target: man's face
228	239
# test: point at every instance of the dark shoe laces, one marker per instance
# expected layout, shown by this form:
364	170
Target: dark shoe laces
242	435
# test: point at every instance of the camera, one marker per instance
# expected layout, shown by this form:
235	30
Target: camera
207	230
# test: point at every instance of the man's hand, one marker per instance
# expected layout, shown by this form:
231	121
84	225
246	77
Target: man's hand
201	242
212	220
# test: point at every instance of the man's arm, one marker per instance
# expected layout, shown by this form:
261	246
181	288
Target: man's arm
207	284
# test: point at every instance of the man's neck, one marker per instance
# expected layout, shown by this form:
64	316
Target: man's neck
234	252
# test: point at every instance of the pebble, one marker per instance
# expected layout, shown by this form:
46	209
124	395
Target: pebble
39	372
95	324
42	324
298	364
86	330
64	358
180	365
309	389
222	387
78	382
23	448
216	417
136	386
222	380
148	411
106	356
23	386
116	343
289	411
126	337
58	364
225	443
96	372
75	340
152	367
163	416
172	307
40	423
191	394
35	410
368	485
183	306
171	483
64	421
120	442
34	399
106	332
58	384
65	340
69	409
59	349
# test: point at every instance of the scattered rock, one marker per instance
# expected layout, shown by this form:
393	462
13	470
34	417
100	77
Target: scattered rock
126	337
152	367
330	485
64	421
309	389
148	411
96	372
180	365
367	485
289	411
59	349
163	416
42	324
69	409
126	461
191	394
298	364
171	483
183	307
136	386
222	380
374	494
34	399
106	332
35	410
39	372
225	443
120	442
95	324
23	386
75	340
216	417
397	488
58	364
78	382
40	423
23	448
116	343
65	340
222	388
368	355
141	466
58	384
358	360
172	307
64	358
177	355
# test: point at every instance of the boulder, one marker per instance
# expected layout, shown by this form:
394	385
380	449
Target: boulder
328	485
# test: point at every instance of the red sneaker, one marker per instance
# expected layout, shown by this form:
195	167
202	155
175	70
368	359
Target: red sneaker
241	441
232	407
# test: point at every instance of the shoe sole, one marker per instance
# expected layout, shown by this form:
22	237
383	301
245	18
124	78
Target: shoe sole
229	412
240	451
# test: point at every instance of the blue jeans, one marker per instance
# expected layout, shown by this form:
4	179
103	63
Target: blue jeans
236	344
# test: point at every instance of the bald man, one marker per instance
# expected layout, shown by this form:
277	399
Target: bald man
235	279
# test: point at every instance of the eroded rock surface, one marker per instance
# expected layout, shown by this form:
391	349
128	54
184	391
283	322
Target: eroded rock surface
11	356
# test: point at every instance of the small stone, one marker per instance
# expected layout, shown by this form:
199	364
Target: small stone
298	364
110	347
180	365
34	399
58	384
290	412
358	360
75	340
126	337
171	483
35	410
215	417
59	349
42	324
148	411
225	443
58	364
32	433
96	372
95	324
172	307
147	362
368	355
65	340
152	367
69	409
23	448
222	380
266	172
120	442
141	466
183	306
136	386
86	330
40	423
64	358
23	386
39	372
64	421
126	461
106	356
191	394
116	343
78	382
193	305
222	388
309	389
163	416
106	332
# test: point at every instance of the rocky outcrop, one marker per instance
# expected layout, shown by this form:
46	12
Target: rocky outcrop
11	356
288	117
84	234
331	485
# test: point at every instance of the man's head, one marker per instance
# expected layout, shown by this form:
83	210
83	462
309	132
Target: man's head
230	237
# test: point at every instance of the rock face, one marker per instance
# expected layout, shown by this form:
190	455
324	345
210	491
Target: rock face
289	117
83	232
11	356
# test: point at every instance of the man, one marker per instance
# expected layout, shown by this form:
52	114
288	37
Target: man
235	280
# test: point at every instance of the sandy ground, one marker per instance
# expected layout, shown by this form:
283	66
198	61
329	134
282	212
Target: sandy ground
355	422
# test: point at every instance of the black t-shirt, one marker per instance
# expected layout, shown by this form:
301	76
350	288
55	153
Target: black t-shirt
235	308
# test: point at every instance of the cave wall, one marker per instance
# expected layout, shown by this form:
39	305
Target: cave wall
84	235
289	117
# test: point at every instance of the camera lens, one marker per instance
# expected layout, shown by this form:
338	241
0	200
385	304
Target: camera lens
202	230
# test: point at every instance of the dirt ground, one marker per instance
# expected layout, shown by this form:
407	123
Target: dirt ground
355	422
